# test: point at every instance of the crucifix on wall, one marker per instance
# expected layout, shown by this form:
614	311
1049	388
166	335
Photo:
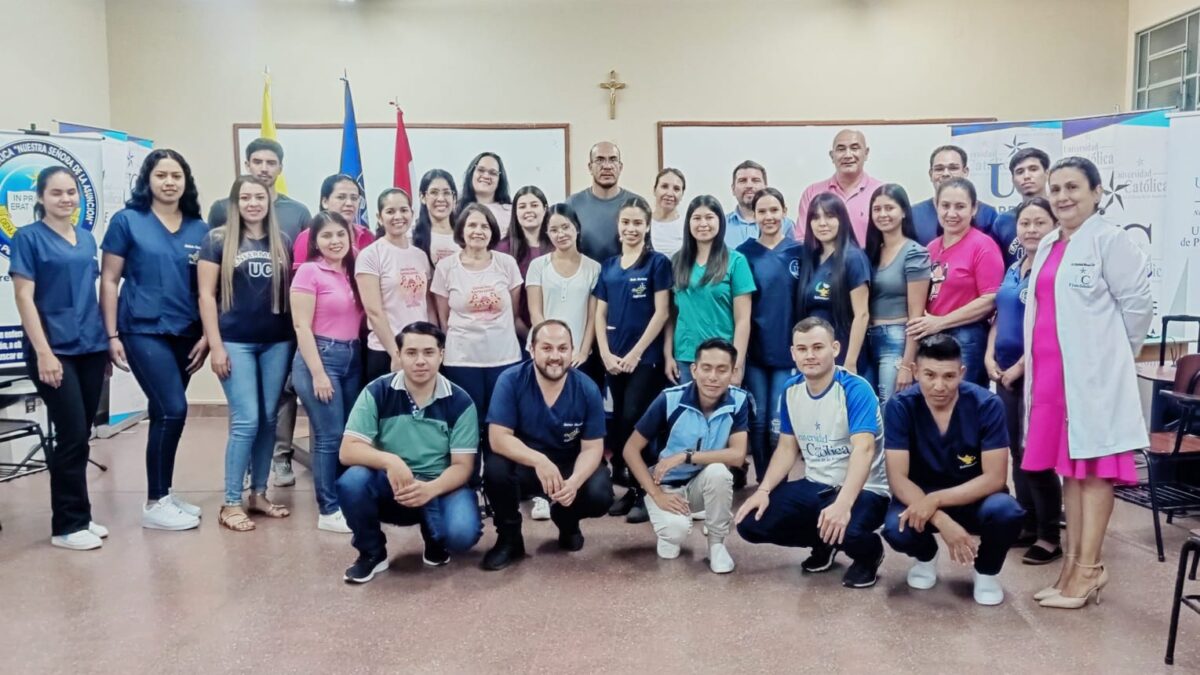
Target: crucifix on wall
612	85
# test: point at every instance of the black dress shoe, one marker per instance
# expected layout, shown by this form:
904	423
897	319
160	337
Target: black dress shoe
622	506
1026	538
571	540
510	547
638	514
1036	555
739	477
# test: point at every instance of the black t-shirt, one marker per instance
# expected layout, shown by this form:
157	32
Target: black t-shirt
250	318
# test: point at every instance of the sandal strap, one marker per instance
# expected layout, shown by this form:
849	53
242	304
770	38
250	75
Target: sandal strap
1097	566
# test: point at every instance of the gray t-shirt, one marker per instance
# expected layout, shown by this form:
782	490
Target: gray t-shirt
291	215
889	283
598	218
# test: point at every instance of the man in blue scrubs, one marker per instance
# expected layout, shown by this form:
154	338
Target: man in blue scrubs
946	162
546	426
748	178
1029	167
947	464
830	419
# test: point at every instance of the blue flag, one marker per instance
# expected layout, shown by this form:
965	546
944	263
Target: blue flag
351	163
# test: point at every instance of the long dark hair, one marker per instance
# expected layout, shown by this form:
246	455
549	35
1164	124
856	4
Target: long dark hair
874	247
718	254
423	229
468	188
641	205
43	179
319	222
561	209
141	198
827	204
518	247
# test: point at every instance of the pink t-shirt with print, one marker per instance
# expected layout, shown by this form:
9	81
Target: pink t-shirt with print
481	332
337	316
403	278
970	268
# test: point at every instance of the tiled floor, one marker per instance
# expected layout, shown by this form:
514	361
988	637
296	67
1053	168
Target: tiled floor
272	600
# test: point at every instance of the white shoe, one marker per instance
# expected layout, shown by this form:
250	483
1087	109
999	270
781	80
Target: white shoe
987	589
923	575
719	560
699	515
540	510
186	507
98	530
165	515
81	540
667	550
334	522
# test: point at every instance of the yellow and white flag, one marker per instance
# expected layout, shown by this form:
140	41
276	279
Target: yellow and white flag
268	128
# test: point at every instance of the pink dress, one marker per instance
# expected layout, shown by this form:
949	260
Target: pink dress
1047	445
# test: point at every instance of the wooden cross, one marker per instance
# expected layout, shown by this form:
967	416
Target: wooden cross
612	85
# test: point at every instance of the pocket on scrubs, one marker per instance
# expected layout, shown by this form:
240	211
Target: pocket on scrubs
145	303
62	327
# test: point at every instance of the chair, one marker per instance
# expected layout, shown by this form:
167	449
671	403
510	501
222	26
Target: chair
1169	449
16	429
1189	553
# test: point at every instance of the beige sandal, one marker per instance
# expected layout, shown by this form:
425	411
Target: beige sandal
261	505
235	518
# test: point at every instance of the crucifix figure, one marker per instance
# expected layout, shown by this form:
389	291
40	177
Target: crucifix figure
612	85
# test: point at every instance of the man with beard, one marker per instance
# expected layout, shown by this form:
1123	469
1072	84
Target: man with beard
264	161
850	182
1029	167
748	178
546	426
946	162
599	204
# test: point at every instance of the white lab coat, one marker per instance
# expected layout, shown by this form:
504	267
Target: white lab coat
1103	305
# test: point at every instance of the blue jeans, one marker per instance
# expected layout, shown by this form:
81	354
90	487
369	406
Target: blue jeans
766	386
159	364
257	371
996	520
327	421
451	520
972	338
685	371
791	519
885	345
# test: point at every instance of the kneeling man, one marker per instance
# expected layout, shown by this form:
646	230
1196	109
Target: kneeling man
410	446
830	418
947	463
700	429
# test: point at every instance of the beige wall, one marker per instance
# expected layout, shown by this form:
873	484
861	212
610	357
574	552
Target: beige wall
182	72
1145	14
56	54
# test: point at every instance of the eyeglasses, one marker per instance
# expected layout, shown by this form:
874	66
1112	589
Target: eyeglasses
606	161
480	171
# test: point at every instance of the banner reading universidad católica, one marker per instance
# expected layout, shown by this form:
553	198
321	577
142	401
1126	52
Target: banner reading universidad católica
1130	149
1180	233
990	145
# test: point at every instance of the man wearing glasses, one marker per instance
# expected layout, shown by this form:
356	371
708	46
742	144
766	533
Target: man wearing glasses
598	205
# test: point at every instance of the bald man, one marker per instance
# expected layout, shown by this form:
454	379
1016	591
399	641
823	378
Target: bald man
850	182
599	204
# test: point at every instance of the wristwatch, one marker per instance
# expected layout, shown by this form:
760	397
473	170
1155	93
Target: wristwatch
689	456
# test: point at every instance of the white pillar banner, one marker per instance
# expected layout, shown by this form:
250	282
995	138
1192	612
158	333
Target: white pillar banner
991	145
1180	234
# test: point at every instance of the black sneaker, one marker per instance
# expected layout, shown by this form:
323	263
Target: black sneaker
739	477
435	555
571	540
1036	555
624	504
366	567
821	559
862	575
1026	538
638	514
510	547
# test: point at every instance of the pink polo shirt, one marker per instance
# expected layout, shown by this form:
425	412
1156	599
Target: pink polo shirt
362	239
337	316
857	201
970	268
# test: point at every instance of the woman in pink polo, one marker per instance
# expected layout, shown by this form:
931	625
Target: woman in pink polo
967	270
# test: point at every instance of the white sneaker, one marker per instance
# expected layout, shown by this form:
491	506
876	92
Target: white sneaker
719	560
541	509
186	507
667	550
987	589
334	522
699	515
98	530
923	575
81	540
165	515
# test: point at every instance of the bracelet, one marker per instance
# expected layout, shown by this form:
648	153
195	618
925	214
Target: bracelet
114	336
904	367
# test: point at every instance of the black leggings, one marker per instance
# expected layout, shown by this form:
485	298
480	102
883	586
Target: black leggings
1038	492
632	393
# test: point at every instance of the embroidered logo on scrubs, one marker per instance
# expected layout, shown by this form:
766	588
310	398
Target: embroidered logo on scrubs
794	269
20	163
1082	275
1024	294
822	289
639	291
937	275
571	435
966	461
194	255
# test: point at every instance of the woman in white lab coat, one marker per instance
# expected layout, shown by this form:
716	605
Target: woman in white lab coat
1086	317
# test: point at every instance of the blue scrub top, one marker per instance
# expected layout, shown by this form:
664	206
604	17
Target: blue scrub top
64	291
773	310
1004	232
159	295
938	462
630	297
818	297
1010	316
925	220
738	230
558	431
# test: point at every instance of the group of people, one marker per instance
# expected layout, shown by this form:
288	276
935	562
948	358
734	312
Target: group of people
860	339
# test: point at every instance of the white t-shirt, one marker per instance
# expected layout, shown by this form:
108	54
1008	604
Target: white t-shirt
667	235
565	298
403	283
481	333
442	246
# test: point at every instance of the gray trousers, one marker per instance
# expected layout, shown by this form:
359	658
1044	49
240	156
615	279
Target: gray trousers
710	491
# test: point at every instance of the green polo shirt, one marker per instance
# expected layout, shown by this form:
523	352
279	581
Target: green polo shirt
388	418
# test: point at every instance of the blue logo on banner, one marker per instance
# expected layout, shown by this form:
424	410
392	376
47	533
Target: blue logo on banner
20	163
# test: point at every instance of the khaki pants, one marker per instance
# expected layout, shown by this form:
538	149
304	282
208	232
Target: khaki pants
710	491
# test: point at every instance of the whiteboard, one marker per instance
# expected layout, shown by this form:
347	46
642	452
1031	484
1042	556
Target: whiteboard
796	155
532	154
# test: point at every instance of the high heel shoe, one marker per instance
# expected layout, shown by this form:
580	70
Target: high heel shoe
1061	601
1051	591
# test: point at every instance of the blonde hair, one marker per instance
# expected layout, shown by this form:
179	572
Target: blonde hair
232	234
